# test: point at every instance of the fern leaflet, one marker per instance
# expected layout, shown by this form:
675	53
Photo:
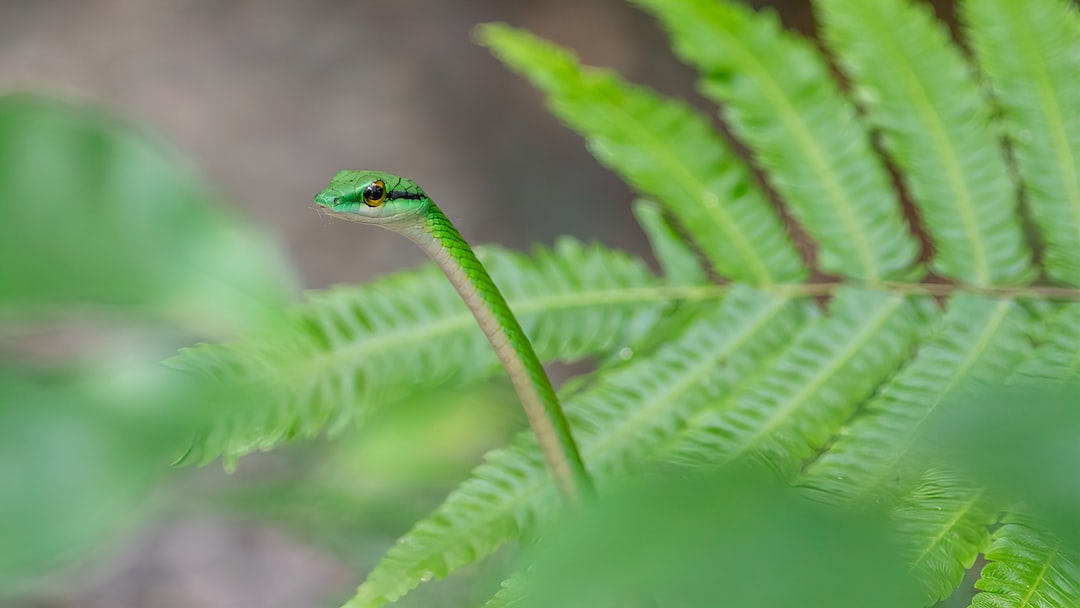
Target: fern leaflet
667	151
780	100
943	524
678	261
920	92
1029	569
979	340
1031	54
801	398
1057	358
511	593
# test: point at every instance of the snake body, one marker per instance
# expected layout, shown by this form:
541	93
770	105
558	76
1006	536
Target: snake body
398	204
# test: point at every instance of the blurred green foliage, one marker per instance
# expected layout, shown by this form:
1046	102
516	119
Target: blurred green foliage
80	450
1023	444
727	538
112	249
100	229
94	212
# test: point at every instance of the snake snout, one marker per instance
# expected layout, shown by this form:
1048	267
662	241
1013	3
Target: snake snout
328	198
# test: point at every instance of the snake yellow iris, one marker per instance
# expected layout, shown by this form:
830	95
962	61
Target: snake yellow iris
398	204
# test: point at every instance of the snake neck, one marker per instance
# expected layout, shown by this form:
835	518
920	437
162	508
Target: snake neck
439	239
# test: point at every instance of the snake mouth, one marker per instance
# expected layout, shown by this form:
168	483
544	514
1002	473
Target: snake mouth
364	214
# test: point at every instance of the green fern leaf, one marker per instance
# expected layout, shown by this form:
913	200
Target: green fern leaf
944	525
780	99
979	340
1031	52
666	150
342	353
799	401
618	421
1028	569
921	94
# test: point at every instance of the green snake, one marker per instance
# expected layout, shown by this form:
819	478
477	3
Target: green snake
398	204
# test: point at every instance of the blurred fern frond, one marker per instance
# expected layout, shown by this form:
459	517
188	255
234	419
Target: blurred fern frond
348	349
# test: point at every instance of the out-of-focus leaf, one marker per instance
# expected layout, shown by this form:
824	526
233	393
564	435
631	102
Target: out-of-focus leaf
92	211
1023	443
79	452
728	539
94	214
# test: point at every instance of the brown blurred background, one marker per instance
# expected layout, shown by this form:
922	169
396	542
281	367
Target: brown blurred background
270	98
267	99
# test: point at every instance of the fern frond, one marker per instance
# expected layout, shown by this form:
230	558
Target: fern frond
343	350
801	399
617	421
1028	569
944	526
980	340
921	94
666	150
782	102
1030	51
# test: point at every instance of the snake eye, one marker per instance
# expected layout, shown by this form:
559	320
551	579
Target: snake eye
375	193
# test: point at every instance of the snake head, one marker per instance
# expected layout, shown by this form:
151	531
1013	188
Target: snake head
372	197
